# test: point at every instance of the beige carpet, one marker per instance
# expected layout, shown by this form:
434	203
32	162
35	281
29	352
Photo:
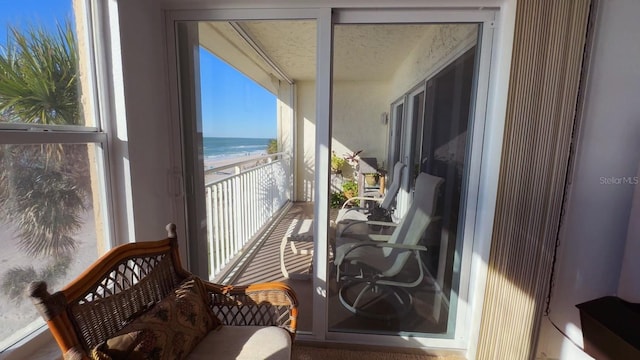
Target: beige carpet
318	353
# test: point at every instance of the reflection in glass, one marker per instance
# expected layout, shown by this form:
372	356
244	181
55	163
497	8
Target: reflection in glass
422	76
47	226
247	144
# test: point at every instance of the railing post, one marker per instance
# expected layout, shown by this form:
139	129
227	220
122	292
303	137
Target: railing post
240	205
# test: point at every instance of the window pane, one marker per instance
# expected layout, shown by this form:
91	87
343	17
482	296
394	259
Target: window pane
43	64
48	230
239	136
402	275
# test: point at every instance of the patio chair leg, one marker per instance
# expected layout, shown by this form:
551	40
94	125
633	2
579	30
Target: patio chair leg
400	299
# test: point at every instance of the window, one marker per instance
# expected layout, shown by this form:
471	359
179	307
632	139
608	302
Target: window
52	151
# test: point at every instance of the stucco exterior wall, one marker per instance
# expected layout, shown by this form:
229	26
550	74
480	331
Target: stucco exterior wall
357	125
357	118
436	50
306	140
286	117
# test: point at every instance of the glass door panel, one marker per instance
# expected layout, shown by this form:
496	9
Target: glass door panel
400	277
249	151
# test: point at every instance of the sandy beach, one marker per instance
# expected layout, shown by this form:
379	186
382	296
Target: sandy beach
245	162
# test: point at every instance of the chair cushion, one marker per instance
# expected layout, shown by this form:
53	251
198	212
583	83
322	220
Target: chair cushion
169	330
244	342
346	219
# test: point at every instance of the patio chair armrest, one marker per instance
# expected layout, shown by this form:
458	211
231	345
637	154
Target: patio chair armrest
368	237
402	246
265	304
341	256
382	223
373	237
364	198
350	223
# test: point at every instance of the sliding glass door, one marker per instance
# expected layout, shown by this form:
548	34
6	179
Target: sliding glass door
385	105
248	152
404	277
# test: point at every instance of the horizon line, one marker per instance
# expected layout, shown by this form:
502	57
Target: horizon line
238	137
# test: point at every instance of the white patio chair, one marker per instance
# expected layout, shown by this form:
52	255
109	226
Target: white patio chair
349	216
380	262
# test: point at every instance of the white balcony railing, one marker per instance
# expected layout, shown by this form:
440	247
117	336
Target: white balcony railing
241	204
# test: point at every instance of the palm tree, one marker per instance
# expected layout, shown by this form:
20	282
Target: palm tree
272	146
42	187
38	77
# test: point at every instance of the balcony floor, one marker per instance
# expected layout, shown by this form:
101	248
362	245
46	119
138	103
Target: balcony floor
265	267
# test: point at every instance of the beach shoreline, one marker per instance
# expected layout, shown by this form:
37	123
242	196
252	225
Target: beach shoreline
247	161
211	163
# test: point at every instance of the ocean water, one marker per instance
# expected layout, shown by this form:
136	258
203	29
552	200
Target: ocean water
219	148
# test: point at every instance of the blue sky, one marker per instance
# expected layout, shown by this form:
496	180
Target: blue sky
232	104
22	12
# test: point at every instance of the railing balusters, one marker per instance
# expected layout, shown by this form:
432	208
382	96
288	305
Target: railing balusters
216	226
239	206
225	214
236	215
210	245
253	204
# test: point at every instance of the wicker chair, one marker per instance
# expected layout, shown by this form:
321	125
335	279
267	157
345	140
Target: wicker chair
124	281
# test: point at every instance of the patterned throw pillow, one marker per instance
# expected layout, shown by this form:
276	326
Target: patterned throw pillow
169	330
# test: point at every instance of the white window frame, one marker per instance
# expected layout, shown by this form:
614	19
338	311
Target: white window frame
94	13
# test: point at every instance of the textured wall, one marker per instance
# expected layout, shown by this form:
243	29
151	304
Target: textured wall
357	125
440	45
306	139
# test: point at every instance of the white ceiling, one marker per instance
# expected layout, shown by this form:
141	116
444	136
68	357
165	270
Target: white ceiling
361	52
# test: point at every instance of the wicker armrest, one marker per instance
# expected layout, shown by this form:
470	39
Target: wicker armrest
124	281
264	304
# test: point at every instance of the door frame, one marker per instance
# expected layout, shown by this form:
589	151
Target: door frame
186	129
467	323
463	315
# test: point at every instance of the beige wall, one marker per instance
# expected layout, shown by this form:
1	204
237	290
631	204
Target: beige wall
286	128
437	49
358	106
357	124
305	139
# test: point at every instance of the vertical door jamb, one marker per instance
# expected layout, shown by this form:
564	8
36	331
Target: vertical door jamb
189	83
324	76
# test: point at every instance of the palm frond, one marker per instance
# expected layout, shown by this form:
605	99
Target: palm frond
38	76
42	198
42	188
